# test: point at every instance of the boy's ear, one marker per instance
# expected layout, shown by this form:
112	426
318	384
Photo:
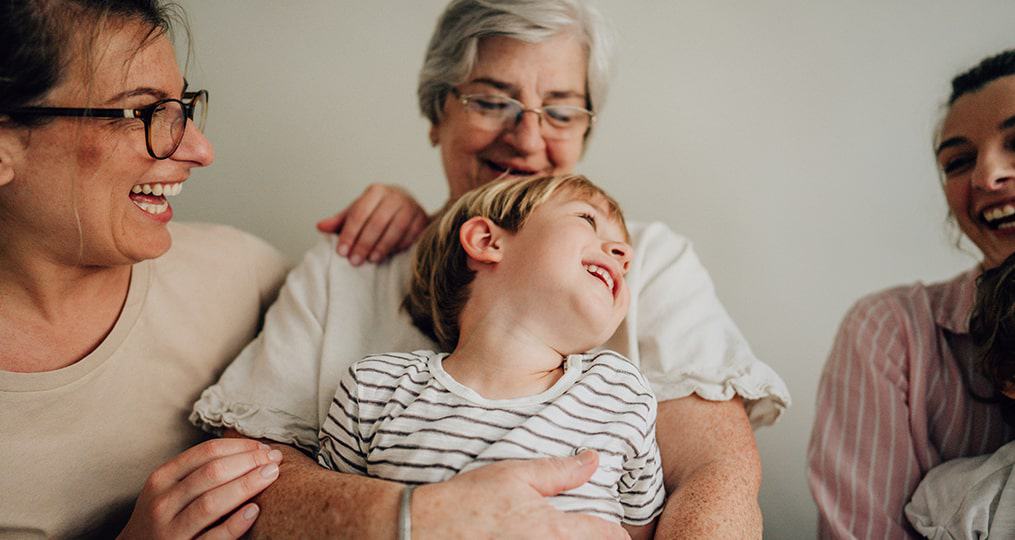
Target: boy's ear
482	240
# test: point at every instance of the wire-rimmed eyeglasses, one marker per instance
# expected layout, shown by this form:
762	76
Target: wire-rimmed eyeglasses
497	112
165	121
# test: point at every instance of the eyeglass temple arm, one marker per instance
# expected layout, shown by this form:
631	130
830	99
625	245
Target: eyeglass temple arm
80	113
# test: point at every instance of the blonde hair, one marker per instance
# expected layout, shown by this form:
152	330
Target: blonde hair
441	274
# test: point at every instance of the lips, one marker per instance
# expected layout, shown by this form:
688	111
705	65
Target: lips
508	169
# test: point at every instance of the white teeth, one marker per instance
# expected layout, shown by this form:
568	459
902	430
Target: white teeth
1008	225
999	212
158	189
154	209
602	274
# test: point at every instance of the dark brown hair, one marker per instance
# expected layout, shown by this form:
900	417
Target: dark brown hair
988	70
992	328
39	40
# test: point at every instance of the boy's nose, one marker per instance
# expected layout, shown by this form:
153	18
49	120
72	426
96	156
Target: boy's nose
621	251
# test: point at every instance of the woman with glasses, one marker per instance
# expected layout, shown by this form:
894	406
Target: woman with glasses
111	319
511	88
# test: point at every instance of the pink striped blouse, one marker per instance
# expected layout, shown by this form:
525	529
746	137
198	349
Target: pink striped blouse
893	402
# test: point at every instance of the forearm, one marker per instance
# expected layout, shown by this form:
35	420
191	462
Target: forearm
309	501
712	470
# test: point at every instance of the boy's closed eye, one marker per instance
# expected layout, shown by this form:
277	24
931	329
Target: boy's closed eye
590	218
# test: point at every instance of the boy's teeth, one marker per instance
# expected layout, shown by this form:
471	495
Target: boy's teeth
602	274
158	189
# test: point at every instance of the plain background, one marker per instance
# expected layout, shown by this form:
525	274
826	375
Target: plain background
789	139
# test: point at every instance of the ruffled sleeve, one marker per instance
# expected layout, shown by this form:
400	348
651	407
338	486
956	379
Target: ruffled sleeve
681	336
270	390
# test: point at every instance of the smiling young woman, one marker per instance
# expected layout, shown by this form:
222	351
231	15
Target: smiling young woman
112	319
900	392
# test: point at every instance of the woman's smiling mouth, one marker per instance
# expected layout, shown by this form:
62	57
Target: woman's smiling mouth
152	197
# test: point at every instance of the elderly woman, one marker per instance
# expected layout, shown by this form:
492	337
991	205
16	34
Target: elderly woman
510	88
900	393
112	320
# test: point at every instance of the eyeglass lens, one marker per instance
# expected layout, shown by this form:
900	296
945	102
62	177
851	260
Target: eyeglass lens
496	113
166	128
169	123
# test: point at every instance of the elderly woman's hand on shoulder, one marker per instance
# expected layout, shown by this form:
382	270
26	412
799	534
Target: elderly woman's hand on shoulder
383	221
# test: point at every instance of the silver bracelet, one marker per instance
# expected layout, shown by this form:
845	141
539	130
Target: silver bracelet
405	514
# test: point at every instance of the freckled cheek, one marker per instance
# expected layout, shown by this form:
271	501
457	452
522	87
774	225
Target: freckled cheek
91	155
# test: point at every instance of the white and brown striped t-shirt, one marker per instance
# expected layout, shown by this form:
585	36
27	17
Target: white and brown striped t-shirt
401	417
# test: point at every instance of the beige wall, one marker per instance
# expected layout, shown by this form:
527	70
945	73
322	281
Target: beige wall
790	139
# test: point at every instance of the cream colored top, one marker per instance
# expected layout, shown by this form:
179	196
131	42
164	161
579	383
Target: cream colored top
78	443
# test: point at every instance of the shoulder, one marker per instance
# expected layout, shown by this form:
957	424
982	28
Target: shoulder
220	245
211	240
650	237
915	305
614	368
408	367
322	263
212	253
666	261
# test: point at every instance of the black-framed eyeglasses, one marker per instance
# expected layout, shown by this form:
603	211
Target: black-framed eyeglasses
165	121
497	112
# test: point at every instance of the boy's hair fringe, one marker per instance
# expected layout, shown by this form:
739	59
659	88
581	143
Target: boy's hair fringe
441	274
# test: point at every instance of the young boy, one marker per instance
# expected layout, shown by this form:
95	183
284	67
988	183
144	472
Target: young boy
974	497
518	278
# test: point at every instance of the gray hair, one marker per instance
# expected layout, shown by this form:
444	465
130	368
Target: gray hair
451	54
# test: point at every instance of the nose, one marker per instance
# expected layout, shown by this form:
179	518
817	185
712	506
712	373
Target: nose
195	148
526	135
621	251
994	167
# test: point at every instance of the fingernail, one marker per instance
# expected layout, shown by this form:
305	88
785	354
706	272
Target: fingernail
269	471
343	250
355	260
250	512
586	457
275	455
375	257
263	447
